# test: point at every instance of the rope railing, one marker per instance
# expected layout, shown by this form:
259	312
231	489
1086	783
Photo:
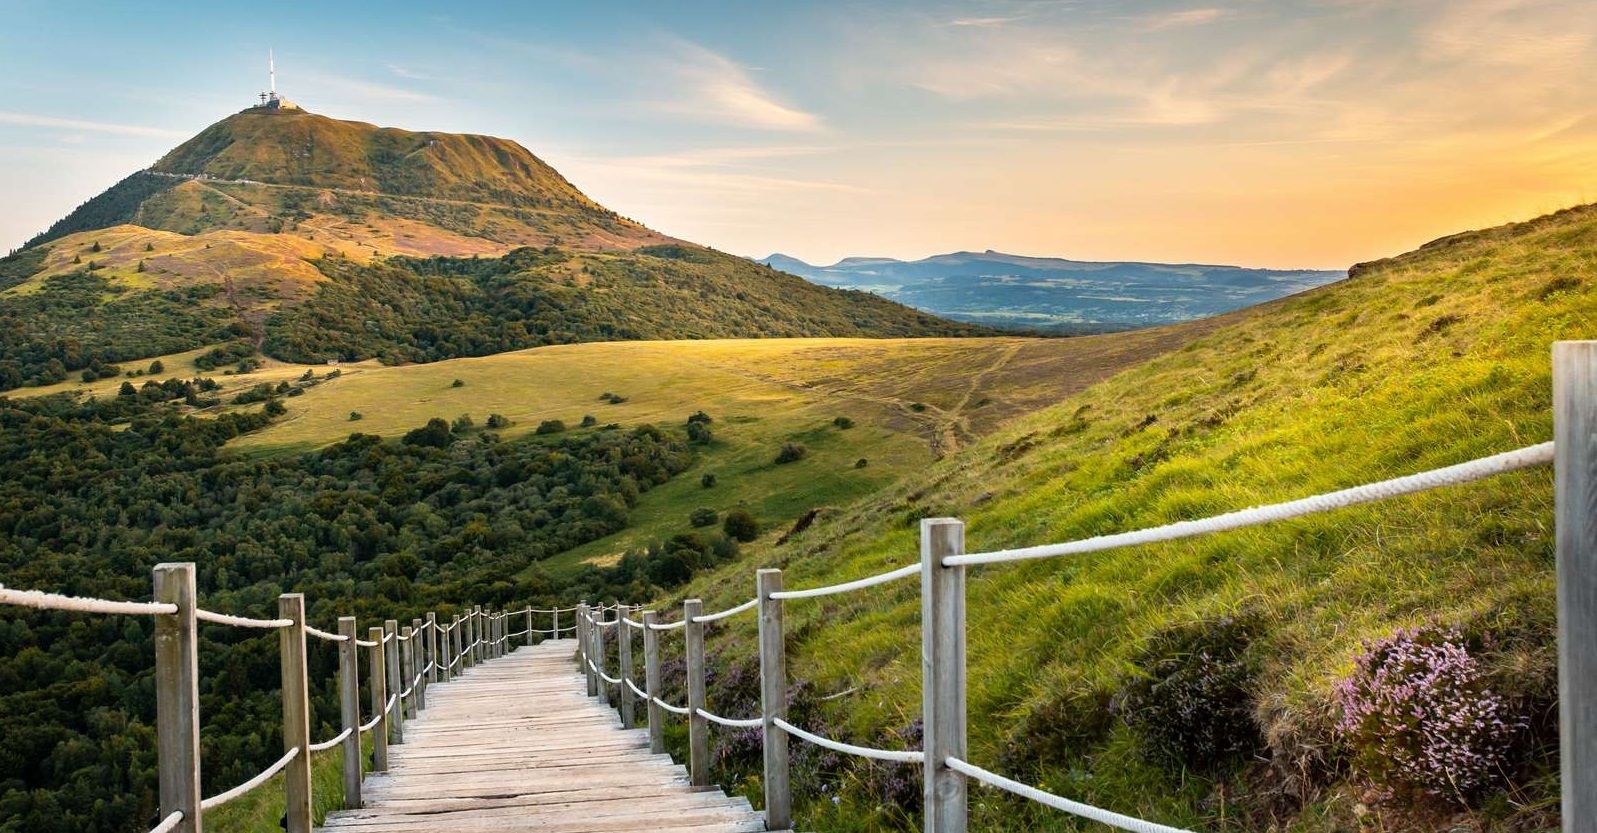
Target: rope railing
219	799
731	611
169	823
1076	808
672	709
751	723
240	621
332	741
850	586
904	757
330	637
75	604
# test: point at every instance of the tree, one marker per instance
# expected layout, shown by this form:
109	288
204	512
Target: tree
792	453
462	424
157	367
127	389
699	433
435	434
739	524
701	417
149	247
589	420
275	408
498	421
861	463
551	426
707	481
95	247
703	516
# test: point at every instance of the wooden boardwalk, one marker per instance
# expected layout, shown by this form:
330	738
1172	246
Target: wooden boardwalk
516	745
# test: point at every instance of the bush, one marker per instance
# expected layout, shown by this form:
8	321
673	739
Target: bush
1417	715
861	463
707	481
275	407
462	424
704	517
498	421
612	398
843	423
458	383
792	453
157	367
699	417
740	525
699	433
589	420
917	407
434	434
355	416
551	426
1193	704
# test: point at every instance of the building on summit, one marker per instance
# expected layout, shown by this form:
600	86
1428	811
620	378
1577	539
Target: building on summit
270	100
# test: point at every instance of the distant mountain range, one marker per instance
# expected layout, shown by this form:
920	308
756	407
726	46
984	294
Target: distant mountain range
1055	294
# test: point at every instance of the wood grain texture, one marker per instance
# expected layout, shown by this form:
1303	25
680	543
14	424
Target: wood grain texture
515	746
1575	491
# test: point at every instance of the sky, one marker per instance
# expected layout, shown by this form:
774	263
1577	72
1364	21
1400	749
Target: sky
1279	133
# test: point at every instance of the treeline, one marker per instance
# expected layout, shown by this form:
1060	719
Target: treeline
93	493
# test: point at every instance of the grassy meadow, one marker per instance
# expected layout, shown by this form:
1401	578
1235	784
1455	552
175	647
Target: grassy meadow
1424	360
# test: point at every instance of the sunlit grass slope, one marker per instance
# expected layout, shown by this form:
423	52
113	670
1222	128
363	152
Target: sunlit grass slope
1428	359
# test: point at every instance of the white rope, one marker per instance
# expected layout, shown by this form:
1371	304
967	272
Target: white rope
860	584
402	638
731	611
73	604
1085	811
598	624
389	707
635	690
330	637
240	621
366	643
555	610
222	798
631	624
1508	461
329	744
169	823
849	748
371	724
668	626
670	708
602	675
522	632
727	721
387	638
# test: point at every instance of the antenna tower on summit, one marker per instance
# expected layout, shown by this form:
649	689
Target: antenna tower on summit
270	100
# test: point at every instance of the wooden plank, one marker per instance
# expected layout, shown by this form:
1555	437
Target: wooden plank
515	746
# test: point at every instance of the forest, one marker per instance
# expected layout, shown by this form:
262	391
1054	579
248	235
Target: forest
93	493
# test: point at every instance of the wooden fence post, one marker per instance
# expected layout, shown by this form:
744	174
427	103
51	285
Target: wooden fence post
377	672
583	651
500	645
629	706
479	629
943	674
396	718
296	714
698	727
418	639
349	708
407	671
651	684
530	634
454	649
177	696
1575	510
555	626
773	700
599	657
432	647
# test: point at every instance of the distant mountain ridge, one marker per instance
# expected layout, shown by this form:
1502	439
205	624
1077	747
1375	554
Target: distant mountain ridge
1058	294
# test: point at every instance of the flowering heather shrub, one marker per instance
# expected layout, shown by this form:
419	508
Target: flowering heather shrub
897	787
1194	705
1417	715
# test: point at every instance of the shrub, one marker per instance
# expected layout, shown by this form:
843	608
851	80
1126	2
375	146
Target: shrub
157	367
861	463
551	426
458	383
1417	715
612	398
1193	704
434	434
275	407
498	421
792	453
917	407
699	433
843	423
462	424
700	417
355	416
90	375
740	525
707	481
589	420
704	517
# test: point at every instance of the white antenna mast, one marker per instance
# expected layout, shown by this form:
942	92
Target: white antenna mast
271	71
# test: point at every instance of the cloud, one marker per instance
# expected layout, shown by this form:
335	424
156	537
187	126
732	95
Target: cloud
34	120
983	22
1185	17
406	72
364	89
719	90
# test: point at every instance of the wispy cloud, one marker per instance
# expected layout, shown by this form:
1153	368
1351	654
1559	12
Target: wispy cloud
35	120
365	89
407	72
983	22
1184	17
720	90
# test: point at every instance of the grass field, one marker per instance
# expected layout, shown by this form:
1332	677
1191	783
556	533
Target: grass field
1425	360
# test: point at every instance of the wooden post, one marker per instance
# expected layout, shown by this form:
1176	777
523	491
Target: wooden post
629	705
377	672
396	718
556	626
943	674
177	696
349	708
432	647
296	714
599	656
651	684
1575	513
407	672
479	630
499	635
583	647
452	651
469	640
698	727
773	700
418	639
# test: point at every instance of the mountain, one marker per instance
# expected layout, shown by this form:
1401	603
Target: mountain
314	239
1194	683
1056	294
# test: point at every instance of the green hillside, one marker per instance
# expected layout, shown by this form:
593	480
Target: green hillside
1431	358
